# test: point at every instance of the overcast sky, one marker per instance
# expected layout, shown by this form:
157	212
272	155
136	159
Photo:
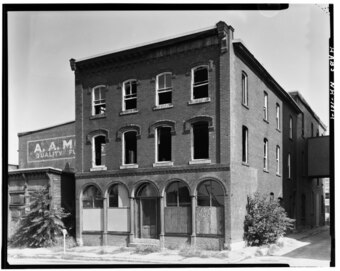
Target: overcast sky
291	44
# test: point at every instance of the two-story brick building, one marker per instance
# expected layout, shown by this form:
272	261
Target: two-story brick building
173	136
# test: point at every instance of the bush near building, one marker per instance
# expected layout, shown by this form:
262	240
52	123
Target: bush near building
266	221
42	225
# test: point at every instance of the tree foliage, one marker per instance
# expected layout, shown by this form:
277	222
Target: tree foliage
265	221
41	226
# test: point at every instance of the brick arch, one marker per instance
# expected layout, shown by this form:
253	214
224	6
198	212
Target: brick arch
127	128
225	190
85	186
170	181
205	118
162	123
138	184
107	187
97	132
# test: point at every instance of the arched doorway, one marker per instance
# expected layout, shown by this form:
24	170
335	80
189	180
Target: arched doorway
147	223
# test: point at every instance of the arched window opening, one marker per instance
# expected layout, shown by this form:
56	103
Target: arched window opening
92	197
177	195
118	196
210	193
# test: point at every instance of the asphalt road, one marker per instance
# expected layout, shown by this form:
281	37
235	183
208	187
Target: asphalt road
317	253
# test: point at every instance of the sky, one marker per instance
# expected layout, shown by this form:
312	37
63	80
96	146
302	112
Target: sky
291	44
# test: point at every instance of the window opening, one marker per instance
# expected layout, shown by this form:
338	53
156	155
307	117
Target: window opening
99	146
164	88
163	144
201	140
130	144
99	103
200	83
130	95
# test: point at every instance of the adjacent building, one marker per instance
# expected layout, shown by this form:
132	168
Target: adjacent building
173	136
46	160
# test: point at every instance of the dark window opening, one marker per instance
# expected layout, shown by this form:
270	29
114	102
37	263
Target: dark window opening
164	143
200	83
130	95
244	144
201	140
130	139
271	196
177	195
165	97
99	145
312	130
92	198
210	193
244	89
17	199
113	196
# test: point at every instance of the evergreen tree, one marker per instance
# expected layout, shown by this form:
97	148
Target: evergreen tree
42	225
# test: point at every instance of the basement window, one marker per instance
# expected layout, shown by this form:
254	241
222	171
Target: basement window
200	140
164	88
200	83
98	100
130	95
99	155
130	148
163	144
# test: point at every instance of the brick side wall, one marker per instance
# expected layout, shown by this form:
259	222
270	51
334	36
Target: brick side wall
61	131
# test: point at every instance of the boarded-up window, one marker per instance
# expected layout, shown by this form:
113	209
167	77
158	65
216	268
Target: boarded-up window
209	220
210	209
17	199
178	211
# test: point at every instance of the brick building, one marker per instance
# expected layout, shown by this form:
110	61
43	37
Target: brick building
173	136
46	159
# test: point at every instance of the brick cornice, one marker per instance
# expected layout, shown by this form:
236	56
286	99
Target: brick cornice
153	171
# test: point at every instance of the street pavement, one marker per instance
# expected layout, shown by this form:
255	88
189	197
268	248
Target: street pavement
316	253
307	248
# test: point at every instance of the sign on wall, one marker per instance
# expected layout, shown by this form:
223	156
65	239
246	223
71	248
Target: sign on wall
51	149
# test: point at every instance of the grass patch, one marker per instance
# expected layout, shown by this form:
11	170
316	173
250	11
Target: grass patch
190	252
147	249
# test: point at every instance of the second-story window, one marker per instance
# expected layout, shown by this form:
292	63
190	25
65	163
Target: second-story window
303	125
244	88
200	140
290	127
265	106
130	95
200	83
244	144
278	116
98	100
163	144
164	88
289	167
265	154
311	130
99	151
130	148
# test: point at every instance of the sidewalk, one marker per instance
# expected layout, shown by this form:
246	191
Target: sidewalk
107	255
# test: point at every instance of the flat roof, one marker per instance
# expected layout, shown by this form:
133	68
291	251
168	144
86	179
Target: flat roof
46	128
146	44
302	99
39	169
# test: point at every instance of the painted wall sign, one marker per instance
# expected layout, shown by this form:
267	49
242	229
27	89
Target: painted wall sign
51	149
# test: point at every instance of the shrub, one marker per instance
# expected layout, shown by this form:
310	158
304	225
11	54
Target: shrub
147	249
266	221
42	225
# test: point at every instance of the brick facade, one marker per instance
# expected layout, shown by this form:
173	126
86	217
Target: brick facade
225	59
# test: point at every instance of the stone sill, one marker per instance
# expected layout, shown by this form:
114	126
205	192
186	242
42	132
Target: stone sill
162	106
98	168
99	116
199	161
128	112
199	101
128	166
163	164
